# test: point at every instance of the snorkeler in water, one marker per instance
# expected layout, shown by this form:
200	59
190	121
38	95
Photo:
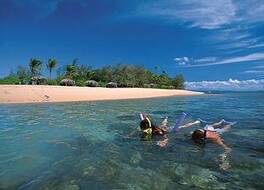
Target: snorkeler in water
211	132
149	129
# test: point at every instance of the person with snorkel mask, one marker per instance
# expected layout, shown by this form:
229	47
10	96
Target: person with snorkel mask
211	133
149	129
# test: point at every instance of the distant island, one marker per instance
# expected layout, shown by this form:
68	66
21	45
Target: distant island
29	85
75	74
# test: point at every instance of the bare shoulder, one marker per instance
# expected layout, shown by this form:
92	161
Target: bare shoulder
212	135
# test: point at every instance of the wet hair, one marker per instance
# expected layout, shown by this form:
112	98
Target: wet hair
199	136
144	124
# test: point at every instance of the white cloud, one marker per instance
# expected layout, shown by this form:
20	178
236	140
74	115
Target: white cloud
205	14
234	42
232	20
239	43
231	60
256	45
182	60
250	11
255	72
205	59
259	67
234	85
250	57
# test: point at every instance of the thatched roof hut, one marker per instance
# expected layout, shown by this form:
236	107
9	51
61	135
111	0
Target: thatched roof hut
111	85
38	80
91	83
67	82
151	85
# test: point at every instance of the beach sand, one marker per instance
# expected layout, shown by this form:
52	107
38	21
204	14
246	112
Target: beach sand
41	94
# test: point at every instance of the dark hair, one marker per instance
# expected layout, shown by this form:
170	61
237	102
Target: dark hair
144	124
199	136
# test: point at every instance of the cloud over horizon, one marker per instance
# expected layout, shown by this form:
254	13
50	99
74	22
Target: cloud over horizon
232	85
208	61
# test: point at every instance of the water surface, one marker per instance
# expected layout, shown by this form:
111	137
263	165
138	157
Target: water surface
87	145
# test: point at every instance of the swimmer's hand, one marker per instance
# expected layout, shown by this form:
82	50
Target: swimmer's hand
224	162
227	150
163	143
189	124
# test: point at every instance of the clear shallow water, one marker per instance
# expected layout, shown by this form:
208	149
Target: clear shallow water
85	145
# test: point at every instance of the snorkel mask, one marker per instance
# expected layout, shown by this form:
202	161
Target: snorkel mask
146	126
147	131
199	136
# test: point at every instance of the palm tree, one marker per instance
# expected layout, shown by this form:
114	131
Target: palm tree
70	70
35	66
51	65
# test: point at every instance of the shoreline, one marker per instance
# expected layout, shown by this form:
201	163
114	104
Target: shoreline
23	94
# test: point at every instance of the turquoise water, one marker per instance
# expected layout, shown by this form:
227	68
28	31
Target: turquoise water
87	145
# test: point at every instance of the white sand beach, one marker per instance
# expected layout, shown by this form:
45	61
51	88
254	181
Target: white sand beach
41	94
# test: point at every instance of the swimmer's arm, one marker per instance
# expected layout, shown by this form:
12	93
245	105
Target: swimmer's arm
164	142
220	142
224	162
190	124
164	125
215	125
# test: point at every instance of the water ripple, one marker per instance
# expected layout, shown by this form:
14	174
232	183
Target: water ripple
96	145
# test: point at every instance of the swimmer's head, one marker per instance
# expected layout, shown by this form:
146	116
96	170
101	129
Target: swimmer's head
199	136
145	126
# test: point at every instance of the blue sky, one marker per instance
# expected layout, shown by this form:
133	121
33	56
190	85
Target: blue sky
203	39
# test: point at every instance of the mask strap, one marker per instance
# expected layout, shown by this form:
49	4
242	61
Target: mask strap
148	121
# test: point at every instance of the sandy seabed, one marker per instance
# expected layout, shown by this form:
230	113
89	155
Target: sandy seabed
41	94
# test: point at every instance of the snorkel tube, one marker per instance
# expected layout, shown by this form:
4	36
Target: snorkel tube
179	122
141	116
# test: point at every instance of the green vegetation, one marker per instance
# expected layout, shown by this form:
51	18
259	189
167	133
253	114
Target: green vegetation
10	79
35	66
51	65
124	75
178	82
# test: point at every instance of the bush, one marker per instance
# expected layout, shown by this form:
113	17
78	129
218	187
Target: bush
10	80
80	82
178	82
52	82
101	84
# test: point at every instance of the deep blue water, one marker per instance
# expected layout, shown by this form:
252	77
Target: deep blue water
87	145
